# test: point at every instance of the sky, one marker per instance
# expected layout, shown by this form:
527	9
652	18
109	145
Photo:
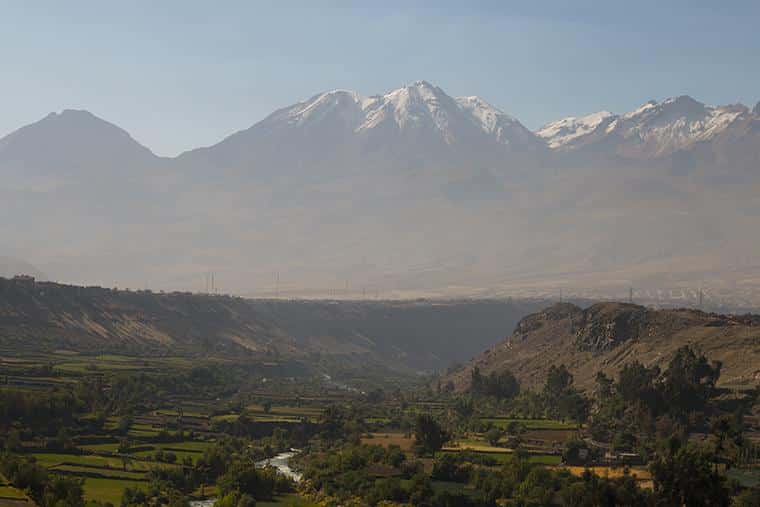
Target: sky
183	74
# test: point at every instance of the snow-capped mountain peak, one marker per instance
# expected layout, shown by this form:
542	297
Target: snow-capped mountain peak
654	129
410	107
675	123
567	131
346	103
413	107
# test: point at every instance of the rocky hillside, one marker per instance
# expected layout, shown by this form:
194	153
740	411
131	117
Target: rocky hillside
606	336
404	336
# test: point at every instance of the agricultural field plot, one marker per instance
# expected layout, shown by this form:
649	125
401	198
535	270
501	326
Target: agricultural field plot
96	366
109	490
405	442
446	486
295	411
531	424
476	446
747	477
106	473
505	455
10	496
111	447
11	492
51	460
180	455
292	500
640	474
551	436
191	448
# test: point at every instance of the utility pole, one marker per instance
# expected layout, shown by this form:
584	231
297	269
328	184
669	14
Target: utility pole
630	295
560	295
700	298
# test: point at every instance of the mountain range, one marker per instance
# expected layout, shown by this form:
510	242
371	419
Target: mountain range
408	193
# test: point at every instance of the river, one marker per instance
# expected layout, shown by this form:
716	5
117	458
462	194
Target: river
280	462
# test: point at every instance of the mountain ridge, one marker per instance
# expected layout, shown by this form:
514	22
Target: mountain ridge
420	102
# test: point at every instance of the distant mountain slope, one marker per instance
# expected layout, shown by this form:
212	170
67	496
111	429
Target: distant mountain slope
408	337
606	336
73	142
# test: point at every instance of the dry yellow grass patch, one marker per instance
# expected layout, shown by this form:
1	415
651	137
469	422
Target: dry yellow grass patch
387	439
641	474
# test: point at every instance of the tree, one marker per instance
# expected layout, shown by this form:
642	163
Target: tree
63	491
689	381
557	381
429	435
243	477
125	422
685	476
493	436
560	398
124	446
604	386
13	441
502	385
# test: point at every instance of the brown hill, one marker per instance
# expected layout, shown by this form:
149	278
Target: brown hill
606	336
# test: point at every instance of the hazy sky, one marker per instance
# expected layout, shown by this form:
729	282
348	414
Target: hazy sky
180	74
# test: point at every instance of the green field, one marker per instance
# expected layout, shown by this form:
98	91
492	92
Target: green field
106	472
11	492
286	410
109	447
531	424
287	501
51	460
503	457
545	459
108	490
747	477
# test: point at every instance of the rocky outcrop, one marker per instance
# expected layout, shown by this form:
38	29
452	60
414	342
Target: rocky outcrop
603	327
606	336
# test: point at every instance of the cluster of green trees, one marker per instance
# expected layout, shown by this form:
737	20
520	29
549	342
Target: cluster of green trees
45	489
229	464
646	407
682	477
502	385
558	399
39	412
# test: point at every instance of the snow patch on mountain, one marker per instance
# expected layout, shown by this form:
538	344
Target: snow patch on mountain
563	132
654	129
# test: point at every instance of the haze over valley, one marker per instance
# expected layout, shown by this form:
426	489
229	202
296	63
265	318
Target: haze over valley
408	193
